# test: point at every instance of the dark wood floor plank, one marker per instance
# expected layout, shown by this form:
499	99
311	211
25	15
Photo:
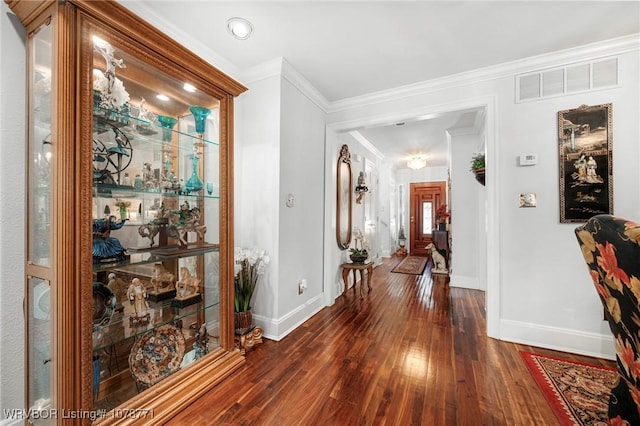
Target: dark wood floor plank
413	351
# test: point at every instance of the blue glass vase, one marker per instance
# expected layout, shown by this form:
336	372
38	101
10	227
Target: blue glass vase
194	183
167	124
200	115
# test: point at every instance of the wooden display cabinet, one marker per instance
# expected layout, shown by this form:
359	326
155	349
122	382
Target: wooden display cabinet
130	218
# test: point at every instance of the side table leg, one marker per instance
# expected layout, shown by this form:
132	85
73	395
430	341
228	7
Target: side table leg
345	279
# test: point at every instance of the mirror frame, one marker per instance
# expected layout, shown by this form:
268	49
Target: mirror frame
344	182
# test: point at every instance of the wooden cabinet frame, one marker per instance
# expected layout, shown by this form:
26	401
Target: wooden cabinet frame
71	312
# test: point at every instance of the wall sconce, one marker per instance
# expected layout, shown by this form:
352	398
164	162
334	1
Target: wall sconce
416	162
361	188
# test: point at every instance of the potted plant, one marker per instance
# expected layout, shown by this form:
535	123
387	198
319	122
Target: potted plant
249	265
359	255
477	166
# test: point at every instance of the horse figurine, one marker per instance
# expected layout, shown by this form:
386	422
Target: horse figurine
183	221
163	279
151	229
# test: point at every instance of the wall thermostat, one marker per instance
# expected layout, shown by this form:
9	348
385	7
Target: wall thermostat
528	159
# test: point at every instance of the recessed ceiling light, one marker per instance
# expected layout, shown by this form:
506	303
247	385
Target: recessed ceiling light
162	97
240	28
189	87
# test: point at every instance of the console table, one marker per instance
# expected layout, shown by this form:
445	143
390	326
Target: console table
362	267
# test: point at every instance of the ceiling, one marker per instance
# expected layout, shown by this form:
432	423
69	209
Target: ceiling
350	49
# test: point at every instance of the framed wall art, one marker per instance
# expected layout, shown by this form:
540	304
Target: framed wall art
586	169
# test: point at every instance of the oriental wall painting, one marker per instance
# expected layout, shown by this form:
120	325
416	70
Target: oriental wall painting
586	184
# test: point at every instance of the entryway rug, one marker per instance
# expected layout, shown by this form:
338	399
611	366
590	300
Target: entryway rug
578	393
411	265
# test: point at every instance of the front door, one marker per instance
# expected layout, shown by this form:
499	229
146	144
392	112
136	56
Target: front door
424	199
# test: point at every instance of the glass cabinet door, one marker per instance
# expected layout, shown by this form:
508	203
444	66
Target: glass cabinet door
155	222
39	209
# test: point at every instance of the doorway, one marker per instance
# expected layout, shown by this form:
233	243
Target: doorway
424	200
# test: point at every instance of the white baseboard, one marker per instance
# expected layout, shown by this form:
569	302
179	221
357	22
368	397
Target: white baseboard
462	281
278	328
558	339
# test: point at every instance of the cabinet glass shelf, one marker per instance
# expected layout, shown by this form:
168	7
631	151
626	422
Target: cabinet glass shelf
120	329
124	192
105	120
157	255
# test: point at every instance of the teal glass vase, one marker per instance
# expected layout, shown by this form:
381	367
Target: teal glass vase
194	183
167	124
200	115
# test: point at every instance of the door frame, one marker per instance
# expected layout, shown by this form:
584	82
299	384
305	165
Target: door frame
439	190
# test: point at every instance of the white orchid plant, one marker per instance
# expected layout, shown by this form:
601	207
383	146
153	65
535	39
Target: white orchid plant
249	265
358	236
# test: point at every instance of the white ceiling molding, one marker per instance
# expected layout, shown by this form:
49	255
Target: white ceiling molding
281	67
587	52
262	71
302	84
366	144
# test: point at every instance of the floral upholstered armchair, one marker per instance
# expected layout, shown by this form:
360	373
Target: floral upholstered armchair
611	248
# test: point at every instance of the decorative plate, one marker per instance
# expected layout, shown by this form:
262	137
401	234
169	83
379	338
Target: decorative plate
156	354
104	304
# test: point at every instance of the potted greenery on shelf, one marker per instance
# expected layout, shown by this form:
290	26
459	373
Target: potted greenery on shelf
249	265
477	166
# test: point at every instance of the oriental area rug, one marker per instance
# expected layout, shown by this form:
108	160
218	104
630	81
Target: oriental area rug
411	265
578	393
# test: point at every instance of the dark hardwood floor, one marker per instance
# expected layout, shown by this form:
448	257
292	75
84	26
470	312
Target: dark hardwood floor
411	352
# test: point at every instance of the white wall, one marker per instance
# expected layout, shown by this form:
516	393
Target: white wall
257	163
280	151
388	210
300	227
465	214
538	288
12	199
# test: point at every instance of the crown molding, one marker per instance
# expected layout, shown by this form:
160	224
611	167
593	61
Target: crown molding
366	144
562	57
281	67
263	71
304	86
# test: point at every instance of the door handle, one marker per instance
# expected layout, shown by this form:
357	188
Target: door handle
411	220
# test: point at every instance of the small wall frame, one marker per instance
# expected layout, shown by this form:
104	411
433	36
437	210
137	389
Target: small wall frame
586	169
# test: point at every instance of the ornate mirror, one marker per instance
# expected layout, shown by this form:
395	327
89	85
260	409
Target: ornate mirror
343	205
